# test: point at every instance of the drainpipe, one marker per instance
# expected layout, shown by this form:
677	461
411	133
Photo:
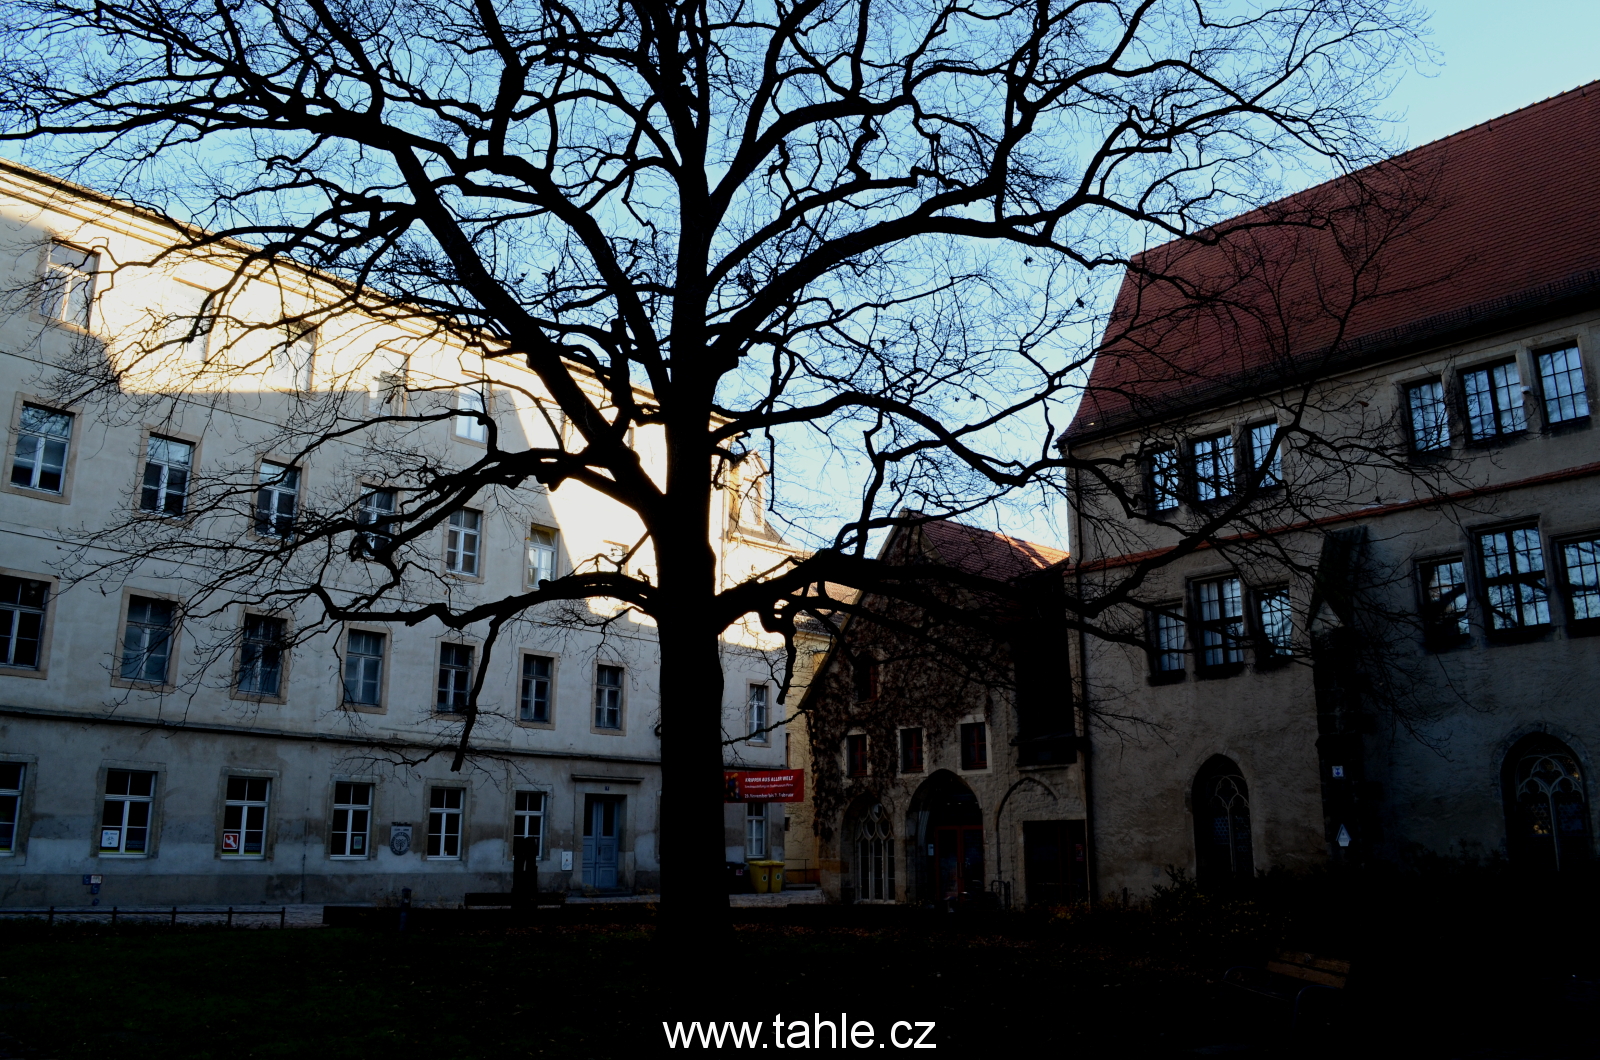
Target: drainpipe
1089	854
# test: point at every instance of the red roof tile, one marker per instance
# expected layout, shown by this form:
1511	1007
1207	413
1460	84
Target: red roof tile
1507	224
986	553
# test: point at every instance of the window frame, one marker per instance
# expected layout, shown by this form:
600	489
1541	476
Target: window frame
518	815
256	520
471	648
549	720
621	687
349	807
455	540
344	656
1173	613
1164	481
1269	654
174	642
757	732
46	626
284	646
755	820
1224	450
1578	419
1575	626
268	818
287	375
857	755
92	257
918	748
198	349
1444	409
1203	626
23	809
19	403
459	811
152	818
149	438
1435	637
553	549
1488	583
1488	368
1271	477
461	419
974	758
366	545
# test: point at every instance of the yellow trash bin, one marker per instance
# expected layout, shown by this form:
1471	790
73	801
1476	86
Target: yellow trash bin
761	877
777	876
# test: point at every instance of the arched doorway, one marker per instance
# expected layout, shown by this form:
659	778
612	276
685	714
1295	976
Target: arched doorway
948	825
1547	811
1222	822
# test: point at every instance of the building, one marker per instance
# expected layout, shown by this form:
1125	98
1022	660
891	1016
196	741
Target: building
952	769
1381	646
183	748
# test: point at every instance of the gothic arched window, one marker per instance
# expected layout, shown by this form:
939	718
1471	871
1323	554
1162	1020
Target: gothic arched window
1547	815
1222	822
875	855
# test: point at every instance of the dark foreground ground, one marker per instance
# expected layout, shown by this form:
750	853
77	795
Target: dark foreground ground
1481	972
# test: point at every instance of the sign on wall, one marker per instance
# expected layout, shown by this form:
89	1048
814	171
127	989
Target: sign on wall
764	785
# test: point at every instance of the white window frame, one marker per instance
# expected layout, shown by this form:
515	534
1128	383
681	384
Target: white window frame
11	806
148	635
364	668
542	544
452	695
527	687
249	809
126	801
293	359
463	546
756	713
66	295
277	499
608	700
168	472
348	813
374	505
12	620
755	830
527	821
255	653
470	428
445	823
34	440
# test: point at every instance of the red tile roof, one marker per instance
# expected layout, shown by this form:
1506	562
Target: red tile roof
1507	228
986	553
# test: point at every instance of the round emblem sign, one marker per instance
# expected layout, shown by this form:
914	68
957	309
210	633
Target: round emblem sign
400	839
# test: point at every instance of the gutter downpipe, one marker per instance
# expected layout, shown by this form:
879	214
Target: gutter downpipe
1089	851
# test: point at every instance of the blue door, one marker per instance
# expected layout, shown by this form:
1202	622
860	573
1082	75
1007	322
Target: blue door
600	833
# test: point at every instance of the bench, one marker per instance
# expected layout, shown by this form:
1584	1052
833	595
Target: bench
1312	985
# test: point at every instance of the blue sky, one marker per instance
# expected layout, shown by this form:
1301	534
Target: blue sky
1496	56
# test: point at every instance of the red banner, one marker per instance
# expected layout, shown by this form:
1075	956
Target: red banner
765	785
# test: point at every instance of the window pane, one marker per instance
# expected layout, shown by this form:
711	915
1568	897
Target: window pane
1263	457
455	673
261	655
1430	418
1445	599
1169	629
1221	621
41	457
363	667
146	643
22	603
470	427
1513	568
1494	401
1561	375
535	688
277	499
1582	560
1164	479
1277	622
1213	467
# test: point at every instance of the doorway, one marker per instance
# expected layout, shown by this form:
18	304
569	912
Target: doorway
1055	862
959	861
602	827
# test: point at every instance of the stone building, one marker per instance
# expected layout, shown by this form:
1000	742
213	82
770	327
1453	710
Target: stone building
1383	645
947	763
218	753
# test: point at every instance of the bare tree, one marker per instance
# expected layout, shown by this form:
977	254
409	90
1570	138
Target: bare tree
868	233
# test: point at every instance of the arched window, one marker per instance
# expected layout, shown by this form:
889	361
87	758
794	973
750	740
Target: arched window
875	855
1222	822
1547	815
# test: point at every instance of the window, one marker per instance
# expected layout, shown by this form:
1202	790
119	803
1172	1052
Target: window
1213	467
1561	378
69	284
1581	559
528	820
874	856
1167	639
22	603
608	697
387	374
190	318
244	817
10	804
1164	480
1221	802
1430	416
974	745
461	542
756	707
352	813
1265	459
469	425
541	555
1494	401
291	359
755	830
1221	608
1444	602
363	668
535	698
125	818
147	641
855	755
375	508
455	677
276	499
261	656
911	751
444	822
1276	619
41	460
1513	579
1547	815
167	463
